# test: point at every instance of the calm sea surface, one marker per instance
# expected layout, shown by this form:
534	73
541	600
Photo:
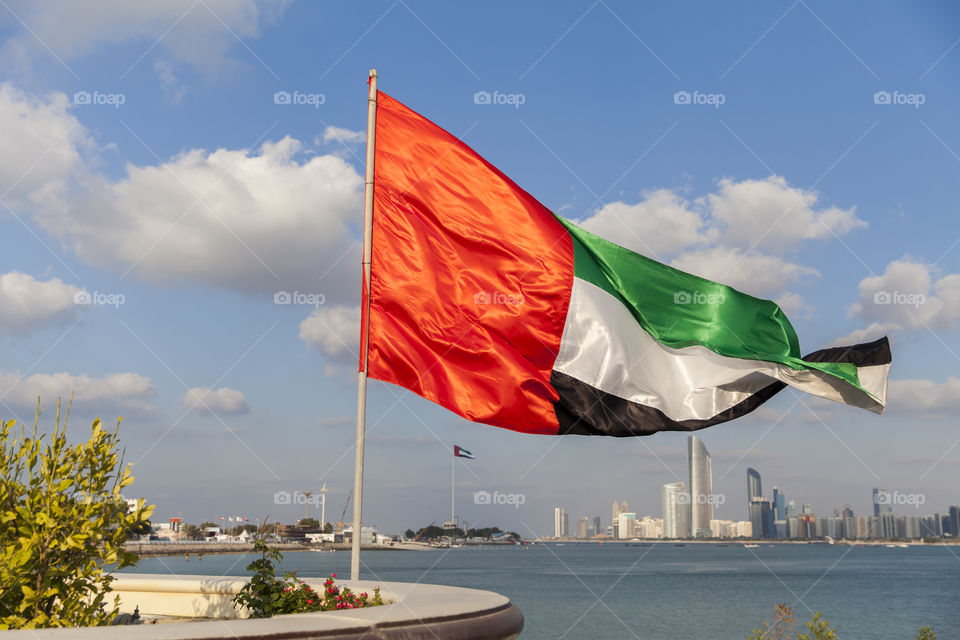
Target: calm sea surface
663	591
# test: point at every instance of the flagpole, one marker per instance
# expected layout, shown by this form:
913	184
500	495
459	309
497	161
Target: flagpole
364	331
453	469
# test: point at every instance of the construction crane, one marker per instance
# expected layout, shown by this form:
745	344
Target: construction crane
423	531
344	514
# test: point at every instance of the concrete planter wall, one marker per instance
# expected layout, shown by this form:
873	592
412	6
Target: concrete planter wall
417	611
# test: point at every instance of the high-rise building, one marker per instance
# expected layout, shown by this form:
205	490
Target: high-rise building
954	518
615	512
701	488
560	523
676	510
627	524
596	526
761	518
779	504
754	489
881	502
582	527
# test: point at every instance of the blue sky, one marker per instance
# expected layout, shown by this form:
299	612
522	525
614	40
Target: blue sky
804	152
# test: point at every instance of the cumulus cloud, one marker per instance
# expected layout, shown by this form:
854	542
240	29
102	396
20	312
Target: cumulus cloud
27	303
43	144
771	213
925	397
222	400
345	136
740	235
908	295
754	273
201	34
252	221
333	330
113	393
173	89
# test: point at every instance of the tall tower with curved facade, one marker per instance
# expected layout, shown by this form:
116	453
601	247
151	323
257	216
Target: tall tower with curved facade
701	488
754	489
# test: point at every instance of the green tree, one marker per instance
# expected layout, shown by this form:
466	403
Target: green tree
926	633
328	528
63	520
819	629
191	532
312	523
409	533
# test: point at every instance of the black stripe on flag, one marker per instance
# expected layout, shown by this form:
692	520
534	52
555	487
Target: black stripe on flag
585	410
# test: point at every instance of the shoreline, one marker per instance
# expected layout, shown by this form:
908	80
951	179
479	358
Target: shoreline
152	549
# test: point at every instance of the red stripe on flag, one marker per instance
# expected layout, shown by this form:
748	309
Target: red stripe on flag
470	281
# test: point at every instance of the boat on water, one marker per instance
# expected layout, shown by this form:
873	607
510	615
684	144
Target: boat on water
679	544
751	546
723	544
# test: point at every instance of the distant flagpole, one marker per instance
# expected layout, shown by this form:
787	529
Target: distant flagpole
364	331
453	471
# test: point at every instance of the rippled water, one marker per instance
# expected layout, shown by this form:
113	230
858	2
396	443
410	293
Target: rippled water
663	591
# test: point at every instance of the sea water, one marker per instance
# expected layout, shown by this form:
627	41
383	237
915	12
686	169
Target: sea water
663	591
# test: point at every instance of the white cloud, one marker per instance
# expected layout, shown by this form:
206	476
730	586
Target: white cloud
660	224
334	330
908	296
42	144
222	400
115	392
202	34
925	396
173	89
345	136
754	273
738	235
27	303
866	334
770	213
263	221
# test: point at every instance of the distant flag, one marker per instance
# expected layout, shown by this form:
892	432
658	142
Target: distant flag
486	303
459	452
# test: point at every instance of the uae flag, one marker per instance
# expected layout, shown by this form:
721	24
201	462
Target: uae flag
485	302
460	452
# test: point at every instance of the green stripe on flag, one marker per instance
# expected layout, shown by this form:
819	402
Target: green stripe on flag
681	310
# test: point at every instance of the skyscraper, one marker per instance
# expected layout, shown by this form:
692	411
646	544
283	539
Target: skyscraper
582	527
881	502
754	489
560	523
615	512
676	510
701	488
596	526
779	504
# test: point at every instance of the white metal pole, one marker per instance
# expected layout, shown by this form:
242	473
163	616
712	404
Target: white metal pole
453	469
364	331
